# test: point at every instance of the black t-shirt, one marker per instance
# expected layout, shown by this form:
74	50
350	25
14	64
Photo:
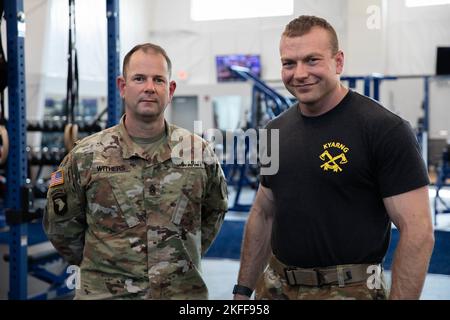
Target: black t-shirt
335	170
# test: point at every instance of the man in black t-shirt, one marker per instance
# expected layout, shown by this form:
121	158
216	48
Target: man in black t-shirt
348	167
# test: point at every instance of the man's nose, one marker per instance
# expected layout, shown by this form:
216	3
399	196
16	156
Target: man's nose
300	71
150	86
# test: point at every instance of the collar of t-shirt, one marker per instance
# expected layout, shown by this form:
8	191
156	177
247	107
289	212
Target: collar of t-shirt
345	100
149	145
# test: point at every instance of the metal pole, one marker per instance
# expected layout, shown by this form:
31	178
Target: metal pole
352	83
426	118
367	86
376	88
17	158
114	101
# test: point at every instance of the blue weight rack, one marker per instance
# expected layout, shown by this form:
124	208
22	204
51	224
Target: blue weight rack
17	160
114	103
22	234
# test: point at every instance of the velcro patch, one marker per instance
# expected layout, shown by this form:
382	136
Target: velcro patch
57	178
60	204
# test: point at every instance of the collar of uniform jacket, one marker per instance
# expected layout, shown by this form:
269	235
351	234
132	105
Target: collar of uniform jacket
131	149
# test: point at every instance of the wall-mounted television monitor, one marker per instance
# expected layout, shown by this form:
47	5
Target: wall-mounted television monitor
443	61
223	63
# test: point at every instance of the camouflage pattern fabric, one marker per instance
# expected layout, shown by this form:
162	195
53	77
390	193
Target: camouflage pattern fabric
137	224
271	286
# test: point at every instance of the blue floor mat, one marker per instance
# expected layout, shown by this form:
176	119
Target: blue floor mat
228	241
228	245
440	260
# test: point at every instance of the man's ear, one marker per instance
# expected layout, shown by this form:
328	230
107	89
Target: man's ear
172	87
339	58
120	81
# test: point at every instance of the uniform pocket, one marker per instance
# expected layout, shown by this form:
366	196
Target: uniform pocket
128	196
113	202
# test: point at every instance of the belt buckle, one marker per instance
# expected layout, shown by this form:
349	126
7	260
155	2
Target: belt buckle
318	278
314	277
290	276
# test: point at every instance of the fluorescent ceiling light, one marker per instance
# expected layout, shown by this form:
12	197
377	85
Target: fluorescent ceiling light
202	10
425	3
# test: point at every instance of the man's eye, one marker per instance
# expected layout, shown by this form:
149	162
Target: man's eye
139	79
159	80
287	64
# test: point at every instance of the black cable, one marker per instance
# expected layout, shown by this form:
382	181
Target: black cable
75	84
69	68
72	68
3	72
100	115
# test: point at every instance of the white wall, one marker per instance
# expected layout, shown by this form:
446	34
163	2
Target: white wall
413	34
136	18
194	45
412	37
46	43
206	94
90	42
365	50
404	44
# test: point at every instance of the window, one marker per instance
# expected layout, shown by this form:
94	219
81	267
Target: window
423	3
202	10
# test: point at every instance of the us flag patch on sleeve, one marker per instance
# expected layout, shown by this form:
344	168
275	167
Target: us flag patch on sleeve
57	178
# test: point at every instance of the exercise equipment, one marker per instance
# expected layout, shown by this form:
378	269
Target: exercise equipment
29	250
266	105
264	98
4	146
16	169
443	174
71	128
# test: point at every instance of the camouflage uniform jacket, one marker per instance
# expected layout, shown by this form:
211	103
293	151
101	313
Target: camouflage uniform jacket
136	224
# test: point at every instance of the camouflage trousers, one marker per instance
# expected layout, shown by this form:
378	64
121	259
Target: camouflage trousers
272	286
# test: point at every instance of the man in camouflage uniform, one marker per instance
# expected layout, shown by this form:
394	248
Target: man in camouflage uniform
128	206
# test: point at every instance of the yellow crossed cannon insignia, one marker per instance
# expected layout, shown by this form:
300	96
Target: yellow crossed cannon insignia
331	164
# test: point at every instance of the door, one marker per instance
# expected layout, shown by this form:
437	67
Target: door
185	111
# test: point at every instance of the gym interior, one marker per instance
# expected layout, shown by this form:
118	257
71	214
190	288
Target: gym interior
59	64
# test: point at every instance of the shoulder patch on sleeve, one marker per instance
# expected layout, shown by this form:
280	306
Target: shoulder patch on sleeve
57	178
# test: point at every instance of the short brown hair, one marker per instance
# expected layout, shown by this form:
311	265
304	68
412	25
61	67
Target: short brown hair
146	47
303	24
